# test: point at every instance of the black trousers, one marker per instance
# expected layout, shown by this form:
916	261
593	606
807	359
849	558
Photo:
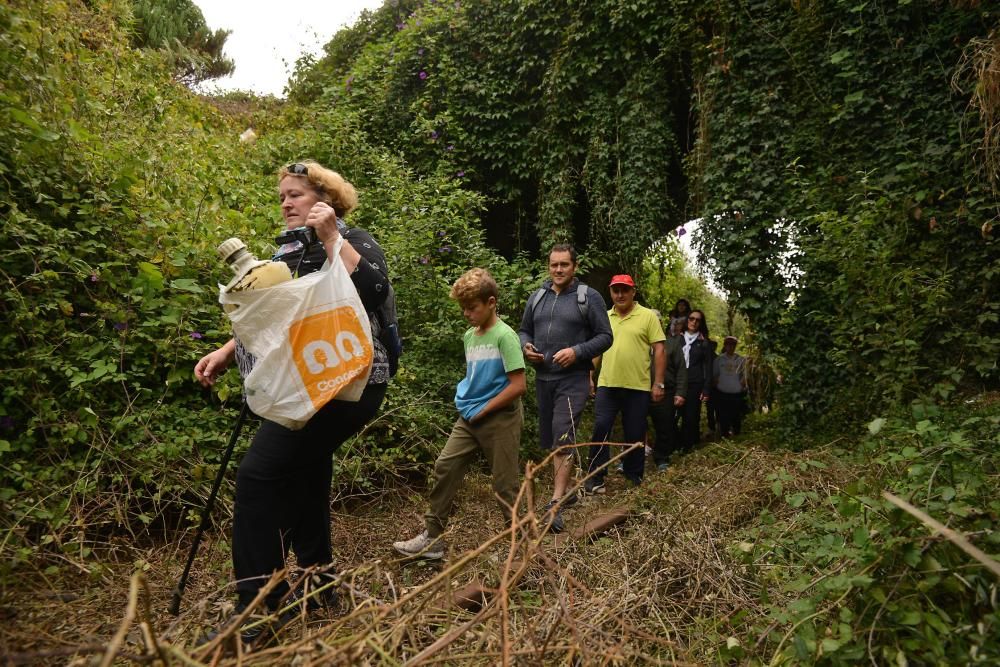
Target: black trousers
632	404
283	493
691	422
664	417
730	412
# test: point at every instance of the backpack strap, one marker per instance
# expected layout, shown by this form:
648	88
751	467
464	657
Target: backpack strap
581	300
535	298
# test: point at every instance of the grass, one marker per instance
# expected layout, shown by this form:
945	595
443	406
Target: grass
683	581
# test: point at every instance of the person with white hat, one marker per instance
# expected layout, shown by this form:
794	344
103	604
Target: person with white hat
730	380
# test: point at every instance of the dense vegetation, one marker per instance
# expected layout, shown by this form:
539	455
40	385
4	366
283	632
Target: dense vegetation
841	157
841	175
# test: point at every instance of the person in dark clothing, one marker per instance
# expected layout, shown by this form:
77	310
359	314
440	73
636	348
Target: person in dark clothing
562	330
664	413
699	357
283	482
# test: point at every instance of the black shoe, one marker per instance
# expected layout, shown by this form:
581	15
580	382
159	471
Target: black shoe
319	591
593	486
552	519
569	500
255	630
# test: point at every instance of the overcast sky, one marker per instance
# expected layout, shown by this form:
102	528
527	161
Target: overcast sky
268	37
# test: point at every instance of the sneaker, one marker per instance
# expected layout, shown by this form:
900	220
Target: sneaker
421	546
662	467
552	519
593	486
620	467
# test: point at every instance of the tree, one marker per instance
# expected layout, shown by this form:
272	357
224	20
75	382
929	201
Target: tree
178	28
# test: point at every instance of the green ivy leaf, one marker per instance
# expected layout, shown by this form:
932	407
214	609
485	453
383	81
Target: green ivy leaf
187	285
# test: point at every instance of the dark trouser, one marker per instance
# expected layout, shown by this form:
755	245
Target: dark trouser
712	411
664	417
498	437
691	422
283	493
633	405
730	412
560	408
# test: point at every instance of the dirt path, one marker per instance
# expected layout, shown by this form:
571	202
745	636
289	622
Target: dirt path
639	590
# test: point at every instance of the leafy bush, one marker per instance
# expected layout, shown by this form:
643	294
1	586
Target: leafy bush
117	186
847	577
842	201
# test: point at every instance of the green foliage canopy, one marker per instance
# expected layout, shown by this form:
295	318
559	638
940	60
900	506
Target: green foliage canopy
827	147
178	28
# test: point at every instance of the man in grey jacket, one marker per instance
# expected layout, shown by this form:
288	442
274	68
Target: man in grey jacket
564	326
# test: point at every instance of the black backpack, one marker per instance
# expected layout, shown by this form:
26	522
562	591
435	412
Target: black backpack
389	331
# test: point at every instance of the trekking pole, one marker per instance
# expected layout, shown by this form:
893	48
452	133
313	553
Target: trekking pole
175	604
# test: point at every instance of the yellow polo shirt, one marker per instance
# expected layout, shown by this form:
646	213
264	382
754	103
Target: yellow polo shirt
626	363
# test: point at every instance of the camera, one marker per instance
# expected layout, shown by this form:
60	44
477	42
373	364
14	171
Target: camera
304	235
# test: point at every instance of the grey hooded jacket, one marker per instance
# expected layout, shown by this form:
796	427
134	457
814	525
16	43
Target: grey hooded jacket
555	322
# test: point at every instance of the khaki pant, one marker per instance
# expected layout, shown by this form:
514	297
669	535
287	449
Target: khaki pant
498	436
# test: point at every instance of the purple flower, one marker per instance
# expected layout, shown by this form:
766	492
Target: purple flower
93	277
441	233
444	249
681	231
424	259
450	147
196	335
121	326
422	75
420	51
400	26
460	174
434	134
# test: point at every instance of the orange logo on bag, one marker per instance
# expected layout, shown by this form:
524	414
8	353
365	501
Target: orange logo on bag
330	350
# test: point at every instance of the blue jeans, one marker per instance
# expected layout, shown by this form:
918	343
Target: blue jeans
632	404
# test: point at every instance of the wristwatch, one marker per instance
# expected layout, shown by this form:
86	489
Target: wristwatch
660	385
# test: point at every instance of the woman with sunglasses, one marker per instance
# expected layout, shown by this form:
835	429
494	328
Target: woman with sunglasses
283	482
699	354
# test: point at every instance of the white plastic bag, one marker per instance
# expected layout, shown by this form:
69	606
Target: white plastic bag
312	341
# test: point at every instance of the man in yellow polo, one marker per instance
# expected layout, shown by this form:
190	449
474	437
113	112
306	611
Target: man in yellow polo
623	385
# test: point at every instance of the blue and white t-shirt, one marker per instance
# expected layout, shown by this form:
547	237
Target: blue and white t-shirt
488	359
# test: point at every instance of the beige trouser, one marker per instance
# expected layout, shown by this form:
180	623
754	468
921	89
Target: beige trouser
498	436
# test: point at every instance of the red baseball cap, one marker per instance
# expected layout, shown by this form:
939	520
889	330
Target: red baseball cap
622	279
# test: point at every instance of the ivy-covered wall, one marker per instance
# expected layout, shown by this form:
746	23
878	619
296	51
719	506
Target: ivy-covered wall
827	146
837	178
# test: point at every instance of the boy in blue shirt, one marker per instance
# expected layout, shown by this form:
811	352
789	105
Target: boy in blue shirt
490	414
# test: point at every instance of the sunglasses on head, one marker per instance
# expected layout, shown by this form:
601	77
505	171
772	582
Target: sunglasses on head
298	169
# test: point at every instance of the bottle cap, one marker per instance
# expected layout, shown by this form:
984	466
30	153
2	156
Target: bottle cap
230	246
